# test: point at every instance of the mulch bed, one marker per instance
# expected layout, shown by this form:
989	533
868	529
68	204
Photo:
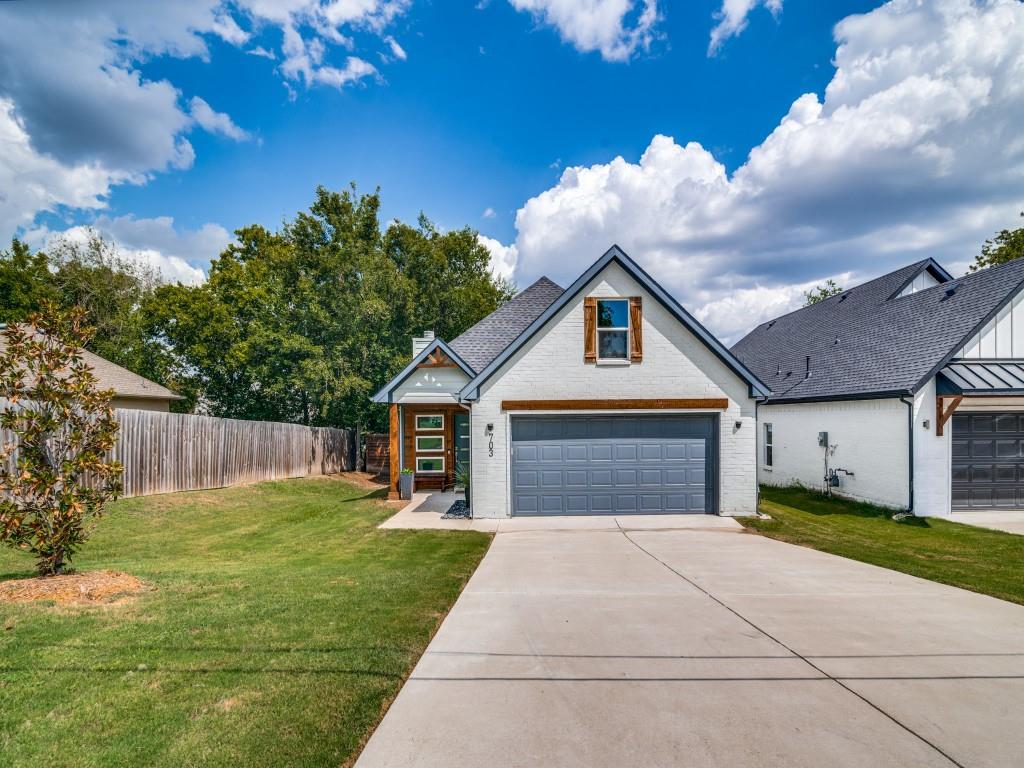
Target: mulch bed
89	588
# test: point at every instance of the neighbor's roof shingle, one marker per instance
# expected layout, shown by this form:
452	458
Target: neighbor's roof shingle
863	342
124	383
479	345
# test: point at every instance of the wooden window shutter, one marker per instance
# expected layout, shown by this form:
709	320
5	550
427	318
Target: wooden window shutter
636	329
590	329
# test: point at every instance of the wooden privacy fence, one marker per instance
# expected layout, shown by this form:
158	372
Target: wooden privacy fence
165	452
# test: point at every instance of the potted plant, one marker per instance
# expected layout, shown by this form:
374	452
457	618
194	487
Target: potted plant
405	484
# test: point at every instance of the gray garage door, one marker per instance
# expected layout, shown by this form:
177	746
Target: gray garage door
988	461
613	465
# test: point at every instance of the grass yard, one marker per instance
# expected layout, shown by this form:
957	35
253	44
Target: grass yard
990	562
279	626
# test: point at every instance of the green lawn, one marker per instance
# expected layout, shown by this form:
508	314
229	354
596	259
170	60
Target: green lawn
280	626
991	562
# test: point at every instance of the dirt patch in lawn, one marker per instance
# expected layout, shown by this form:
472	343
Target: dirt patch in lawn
89	588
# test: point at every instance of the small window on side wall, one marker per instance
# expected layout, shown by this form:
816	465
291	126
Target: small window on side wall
768	446
613	329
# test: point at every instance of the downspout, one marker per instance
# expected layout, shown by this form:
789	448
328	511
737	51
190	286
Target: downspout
910	451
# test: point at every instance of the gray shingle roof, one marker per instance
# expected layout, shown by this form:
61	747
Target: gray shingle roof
124	383
479	345
863	342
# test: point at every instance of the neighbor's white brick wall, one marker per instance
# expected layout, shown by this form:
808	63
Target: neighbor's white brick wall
932	457
550	366
871	440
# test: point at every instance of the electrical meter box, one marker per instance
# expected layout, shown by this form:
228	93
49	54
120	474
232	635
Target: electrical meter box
823	439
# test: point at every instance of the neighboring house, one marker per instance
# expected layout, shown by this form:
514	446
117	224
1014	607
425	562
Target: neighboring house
908	391
604	398
131	391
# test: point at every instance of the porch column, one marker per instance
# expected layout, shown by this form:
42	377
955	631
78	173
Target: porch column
393	450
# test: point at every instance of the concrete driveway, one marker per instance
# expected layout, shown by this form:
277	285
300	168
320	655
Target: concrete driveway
706	648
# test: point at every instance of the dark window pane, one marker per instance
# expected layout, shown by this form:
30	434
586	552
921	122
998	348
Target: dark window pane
611	345
613	314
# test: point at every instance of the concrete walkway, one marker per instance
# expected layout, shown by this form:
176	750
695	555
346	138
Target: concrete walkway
703	648
1009	522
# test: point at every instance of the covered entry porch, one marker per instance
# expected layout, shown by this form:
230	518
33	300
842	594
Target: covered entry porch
430	440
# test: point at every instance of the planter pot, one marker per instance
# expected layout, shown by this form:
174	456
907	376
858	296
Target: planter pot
405	484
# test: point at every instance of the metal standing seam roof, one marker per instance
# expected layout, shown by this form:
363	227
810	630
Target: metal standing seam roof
124	383
981	378
868	341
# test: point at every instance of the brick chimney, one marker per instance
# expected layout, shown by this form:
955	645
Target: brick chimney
419	343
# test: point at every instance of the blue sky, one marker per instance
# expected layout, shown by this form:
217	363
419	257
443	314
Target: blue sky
738	176
454	131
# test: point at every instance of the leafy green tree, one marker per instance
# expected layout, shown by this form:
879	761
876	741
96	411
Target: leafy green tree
90	274
821	292
306	323
63	428
25	282
1006	246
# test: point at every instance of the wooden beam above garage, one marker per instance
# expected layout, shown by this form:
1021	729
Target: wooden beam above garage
658	404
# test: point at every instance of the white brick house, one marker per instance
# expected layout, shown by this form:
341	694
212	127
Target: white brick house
906	391
605	398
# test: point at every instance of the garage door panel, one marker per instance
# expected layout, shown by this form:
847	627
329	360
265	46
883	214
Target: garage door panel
651	452
626	465
625	452
525	454
988	461
577	452
651	478
576	478
577	504
526	479
551	454
625	477
551	479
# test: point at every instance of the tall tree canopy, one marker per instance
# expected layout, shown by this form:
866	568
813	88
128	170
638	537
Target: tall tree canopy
1005	246
304	324
91	275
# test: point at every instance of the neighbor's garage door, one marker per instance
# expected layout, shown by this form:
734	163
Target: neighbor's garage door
597	465
988	460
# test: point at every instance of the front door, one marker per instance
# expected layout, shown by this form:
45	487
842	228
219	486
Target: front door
461	445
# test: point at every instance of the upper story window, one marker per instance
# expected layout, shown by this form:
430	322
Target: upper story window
613	329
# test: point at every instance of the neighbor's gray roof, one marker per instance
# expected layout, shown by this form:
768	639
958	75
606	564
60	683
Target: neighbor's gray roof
124	383
487	339
864	342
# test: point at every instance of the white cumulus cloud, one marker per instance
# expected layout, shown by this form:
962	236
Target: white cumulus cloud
215	122
914	150
180	256
732	19
615	28
503	257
